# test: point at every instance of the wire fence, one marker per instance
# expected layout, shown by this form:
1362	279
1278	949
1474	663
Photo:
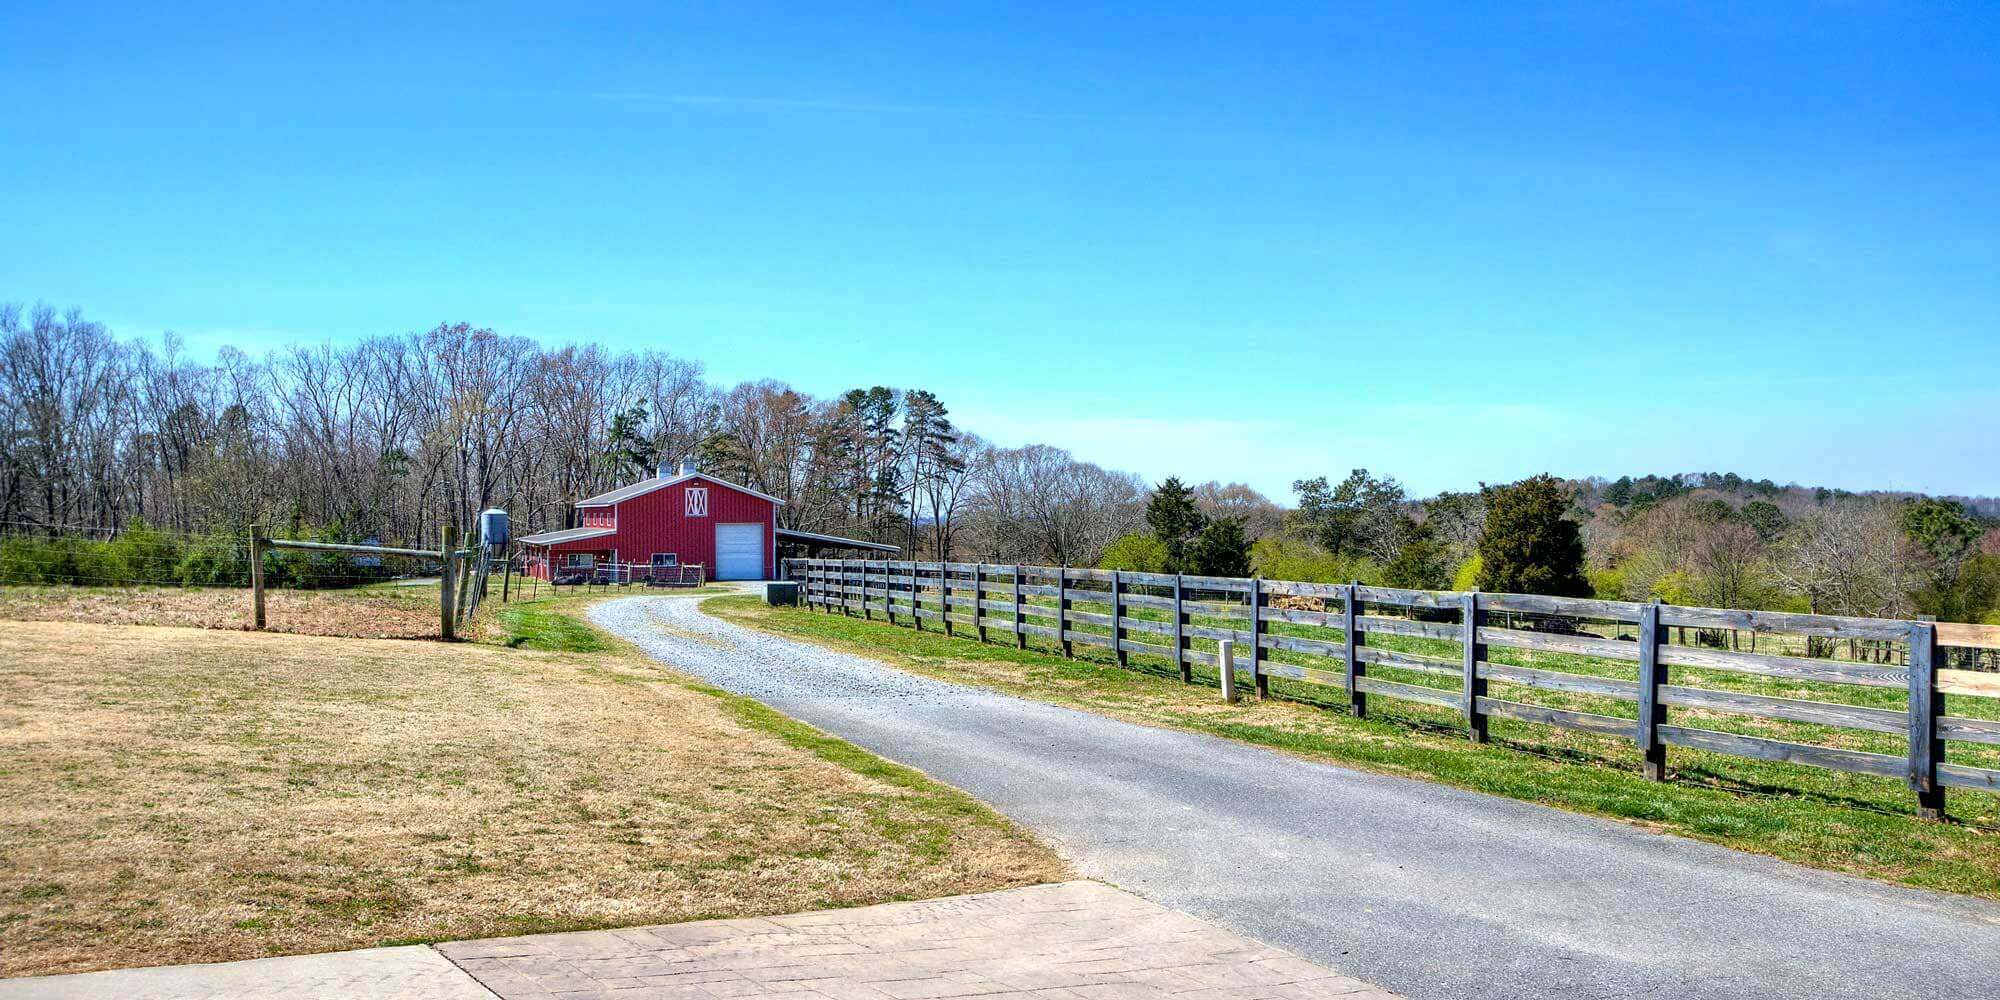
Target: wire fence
144	556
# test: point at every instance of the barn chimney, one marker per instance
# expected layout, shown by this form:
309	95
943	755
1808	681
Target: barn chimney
687	466
661	470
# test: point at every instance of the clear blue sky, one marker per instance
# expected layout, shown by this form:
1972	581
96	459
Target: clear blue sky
1446	242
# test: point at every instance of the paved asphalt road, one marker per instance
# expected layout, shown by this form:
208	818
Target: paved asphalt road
1432	892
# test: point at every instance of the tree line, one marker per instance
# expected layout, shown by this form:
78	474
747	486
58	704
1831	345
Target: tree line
1702	539
393	437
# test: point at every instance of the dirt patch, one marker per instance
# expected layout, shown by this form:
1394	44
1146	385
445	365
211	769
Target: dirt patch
379	612
175	795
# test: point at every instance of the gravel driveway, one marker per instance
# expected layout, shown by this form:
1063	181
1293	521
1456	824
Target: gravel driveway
1432	892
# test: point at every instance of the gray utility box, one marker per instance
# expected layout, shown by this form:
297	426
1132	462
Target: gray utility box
781	593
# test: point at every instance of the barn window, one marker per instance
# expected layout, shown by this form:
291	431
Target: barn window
666	559
697	501
579	559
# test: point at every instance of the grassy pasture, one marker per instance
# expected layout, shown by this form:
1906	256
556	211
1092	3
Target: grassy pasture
178	795
374	611
1844	822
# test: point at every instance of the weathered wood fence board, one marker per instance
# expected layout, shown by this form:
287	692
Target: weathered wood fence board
1317	634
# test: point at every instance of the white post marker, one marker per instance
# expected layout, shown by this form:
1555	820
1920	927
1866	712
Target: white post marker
1225	664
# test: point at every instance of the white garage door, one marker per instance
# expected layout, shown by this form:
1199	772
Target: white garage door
739	551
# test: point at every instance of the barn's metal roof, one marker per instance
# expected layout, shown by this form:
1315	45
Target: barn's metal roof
565	535
851	543
646	486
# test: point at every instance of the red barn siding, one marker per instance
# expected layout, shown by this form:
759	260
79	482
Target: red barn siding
657	522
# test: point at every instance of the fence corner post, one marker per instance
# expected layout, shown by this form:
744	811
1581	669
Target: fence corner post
257	577
1475	653
447	593
1652	676
1926	704
1350	629
1225	665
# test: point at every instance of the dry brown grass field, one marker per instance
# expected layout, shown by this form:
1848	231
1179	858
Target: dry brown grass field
380	611
177	795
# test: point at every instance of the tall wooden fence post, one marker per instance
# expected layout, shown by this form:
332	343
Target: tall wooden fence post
1926	704
1475	653
1350	628
507	578
1652	676
1062	611
1180	633
447	592
257	577
1257	675
1118	618
944	604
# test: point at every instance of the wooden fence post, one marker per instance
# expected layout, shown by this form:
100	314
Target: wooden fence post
1926	704
1180	634
1652	676
1257	675
1225	664
447	593
507	578
944	598
1357	702
1020	616
944	606
888	588
979	600
1475	685
1062	611
257	577
1118	617
464	577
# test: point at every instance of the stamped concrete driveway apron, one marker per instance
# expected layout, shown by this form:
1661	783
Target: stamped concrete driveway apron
1432	892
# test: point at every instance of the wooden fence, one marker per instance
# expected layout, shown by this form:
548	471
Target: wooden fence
1318	634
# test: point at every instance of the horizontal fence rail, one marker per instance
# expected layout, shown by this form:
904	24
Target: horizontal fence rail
1438	648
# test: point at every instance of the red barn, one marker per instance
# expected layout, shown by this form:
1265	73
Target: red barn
658	526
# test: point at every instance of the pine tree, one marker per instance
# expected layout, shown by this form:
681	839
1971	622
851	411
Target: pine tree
1529	547
1222	549
1176	521
928	438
